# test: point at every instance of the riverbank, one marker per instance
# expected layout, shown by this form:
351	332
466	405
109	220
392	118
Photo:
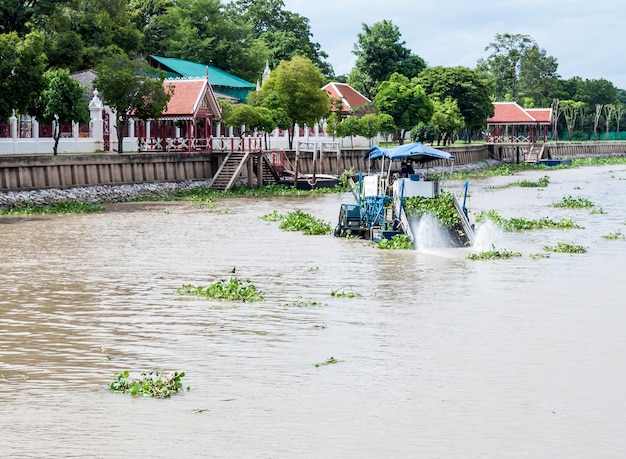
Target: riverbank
97	194
101	194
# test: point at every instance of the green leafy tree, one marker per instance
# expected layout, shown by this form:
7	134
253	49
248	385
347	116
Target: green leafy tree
130	88
380	53
105	26
349	127
538	79
204	31
406	101
570	110
505	62
369	126
285	34
294	87
62	102
386	124
447	118
22	65
467	87
424	132
24	16
253	118
332	125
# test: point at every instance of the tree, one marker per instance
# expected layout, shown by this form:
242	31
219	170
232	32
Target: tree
369	126
505	62
294	87
380	53
406	101
129	87
332	125
609	110
386	124
21	16
424	132
22	65
105	27
62	102
349	127
538	79
467	87
204	31
571	109
285	34
447	118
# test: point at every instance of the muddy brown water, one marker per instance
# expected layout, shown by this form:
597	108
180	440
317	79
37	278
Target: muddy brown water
439	356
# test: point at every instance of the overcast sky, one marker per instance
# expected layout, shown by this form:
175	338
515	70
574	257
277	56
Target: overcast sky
586	37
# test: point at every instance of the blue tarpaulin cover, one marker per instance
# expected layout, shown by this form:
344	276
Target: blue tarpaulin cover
415	151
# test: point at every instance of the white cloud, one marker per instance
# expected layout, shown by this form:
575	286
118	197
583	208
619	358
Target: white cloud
585	37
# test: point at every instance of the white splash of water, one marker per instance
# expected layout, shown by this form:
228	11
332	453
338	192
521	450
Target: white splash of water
487	235
429	234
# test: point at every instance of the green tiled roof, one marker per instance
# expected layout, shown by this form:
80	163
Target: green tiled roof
181	68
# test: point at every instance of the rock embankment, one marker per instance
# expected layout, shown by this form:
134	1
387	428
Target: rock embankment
95	194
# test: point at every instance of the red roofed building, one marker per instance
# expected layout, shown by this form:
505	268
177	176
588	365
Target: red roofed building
344	98
187	122
512	123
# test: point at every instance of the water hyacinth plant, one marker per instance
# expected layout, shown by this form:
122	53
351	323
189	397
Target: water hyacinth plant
151	384
493	254
572	202
442	208
565	247
64	207
306	223
232	289
397	242
522	224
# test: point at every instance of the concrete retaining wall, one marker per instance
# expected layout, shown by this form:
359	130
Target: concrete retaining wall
37	172
65	171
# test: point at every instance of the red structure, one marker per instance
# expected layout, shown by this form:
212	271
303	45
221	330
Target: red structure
514	124
188	122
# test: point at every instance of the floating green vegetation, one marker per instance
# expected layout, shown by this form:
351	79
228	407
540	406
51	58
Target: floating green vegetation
344	180
329	361
493	254
565	247
232	289
306	223
65	207
499	170
572	202
151	384
302	303
540	183
598	161
521	224
617	235
536	256
342	293
397	242
442	208
599	211
273	216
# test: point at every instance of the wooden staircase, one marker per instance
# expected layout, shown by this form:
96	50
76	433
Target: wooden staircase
230	169
533	153
269	173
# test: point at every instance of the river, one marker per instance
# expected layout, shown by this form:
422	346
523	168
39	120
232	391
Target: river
438	356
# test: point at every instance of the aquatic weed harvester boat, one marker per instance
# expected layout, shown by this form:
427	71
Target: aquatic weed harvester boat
387	204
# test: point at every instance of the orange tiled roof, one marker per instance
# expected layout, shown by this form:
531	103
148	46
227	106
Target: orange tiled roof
349	96
187	98
512	113
542	115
